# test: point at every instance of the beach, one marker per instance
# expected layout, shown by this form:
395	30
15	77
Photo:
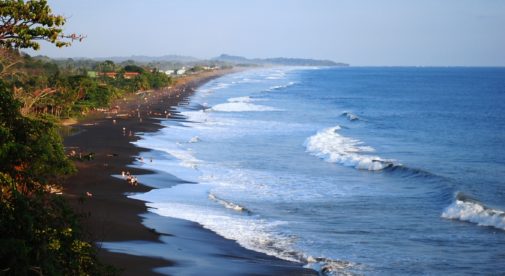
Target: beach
98	191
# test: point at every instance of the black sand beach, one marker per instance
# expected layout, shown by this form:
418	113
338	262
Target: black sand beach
176	247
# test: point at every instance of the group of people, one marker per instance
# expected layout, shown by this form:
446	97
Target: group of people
132	180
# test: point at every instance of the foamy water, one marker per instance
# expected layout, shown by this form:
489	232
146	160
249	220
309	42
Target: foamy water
475	212
280	164
329	145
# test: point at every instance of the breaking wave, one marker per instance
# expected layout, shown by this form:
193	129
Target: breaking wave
194	139
470	210
279	87
229	204
241	104
329	145
351	116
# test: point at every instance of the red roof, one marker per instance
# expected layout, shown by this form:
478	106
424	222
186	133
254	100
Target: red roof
131	74
108	74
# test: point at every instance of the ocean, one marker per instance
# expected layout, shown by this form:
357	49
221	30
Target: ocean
375	171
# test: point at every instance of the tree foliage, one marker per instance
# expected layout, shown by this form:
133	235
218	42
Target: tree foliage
39	234
30	149
23	24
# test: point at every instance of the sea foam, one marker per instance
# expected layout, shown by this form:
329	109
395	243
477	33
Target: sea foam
475	212
192	202
329	145
351	116
279	87
241	104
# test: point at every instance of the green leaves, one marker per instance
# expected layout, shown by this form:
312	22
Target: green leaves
22	24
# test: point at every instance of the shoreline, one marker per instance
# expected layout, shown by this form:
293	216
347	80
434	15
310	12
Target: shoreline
112	217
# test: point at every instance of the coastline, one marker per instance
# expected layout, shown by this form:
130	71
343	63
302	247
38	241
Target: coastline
112	217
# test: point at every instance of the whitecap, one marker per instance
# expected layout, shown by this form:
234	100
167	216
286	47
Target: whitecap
351	116
475	212
279	87
191	202
194	139
241	107
329	145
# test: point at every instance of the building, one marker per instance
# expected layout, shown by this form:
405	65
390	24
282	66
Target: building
108	74
181	71
130	75
113	75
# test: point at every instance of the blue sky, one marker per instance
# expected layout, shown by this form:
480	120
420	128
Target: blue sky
360	32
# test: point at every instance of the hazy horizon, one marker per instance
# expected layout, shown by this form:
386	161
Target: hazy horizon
361	33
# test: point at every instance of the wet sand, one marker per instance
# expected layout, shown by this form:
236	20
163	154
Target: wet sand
98	191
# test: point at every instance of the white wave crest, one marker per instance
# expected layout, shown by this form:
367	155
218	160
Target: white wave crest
194	139
335	148
351	116
228	204
241	104
191	202
276	75
475	212
278	87
245	99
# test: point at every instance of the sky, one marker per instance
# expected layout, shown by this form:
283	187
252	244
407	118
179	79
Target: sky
359	32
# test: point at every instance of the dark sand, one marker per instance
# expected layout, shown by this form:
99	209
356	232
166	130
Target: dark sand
177	247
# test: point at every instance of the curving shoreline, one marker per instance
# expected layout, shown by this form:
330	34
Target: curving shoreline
112	217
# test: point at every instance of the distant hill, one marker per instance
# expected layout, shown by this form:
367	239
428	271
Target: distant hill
277	61
175	61
147	59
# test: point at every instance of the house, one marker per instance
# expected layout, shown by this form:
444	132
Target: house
108	74
130	75
170	72
181	71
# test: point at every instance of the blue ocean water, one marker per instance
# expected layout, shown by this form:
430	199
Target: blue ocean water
346	170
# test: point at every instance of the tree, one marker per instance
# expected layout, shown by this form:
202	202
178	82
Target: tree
134	68
29	148
106	66
22	24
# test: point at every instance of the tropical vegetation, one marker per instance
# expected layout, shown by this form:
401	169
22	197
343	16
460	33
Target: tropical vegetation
39	233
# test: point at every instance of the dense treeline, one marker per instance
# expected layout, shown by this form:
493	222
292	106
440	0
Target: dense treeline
69	91
38	232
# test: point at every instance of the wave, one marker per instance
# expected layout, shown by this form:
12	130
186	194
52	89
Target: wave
404	171
351	116
276	75
229	204
279	87
194	139
241	104
329	145
326	266
185	157
186	202
245	99
467	209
